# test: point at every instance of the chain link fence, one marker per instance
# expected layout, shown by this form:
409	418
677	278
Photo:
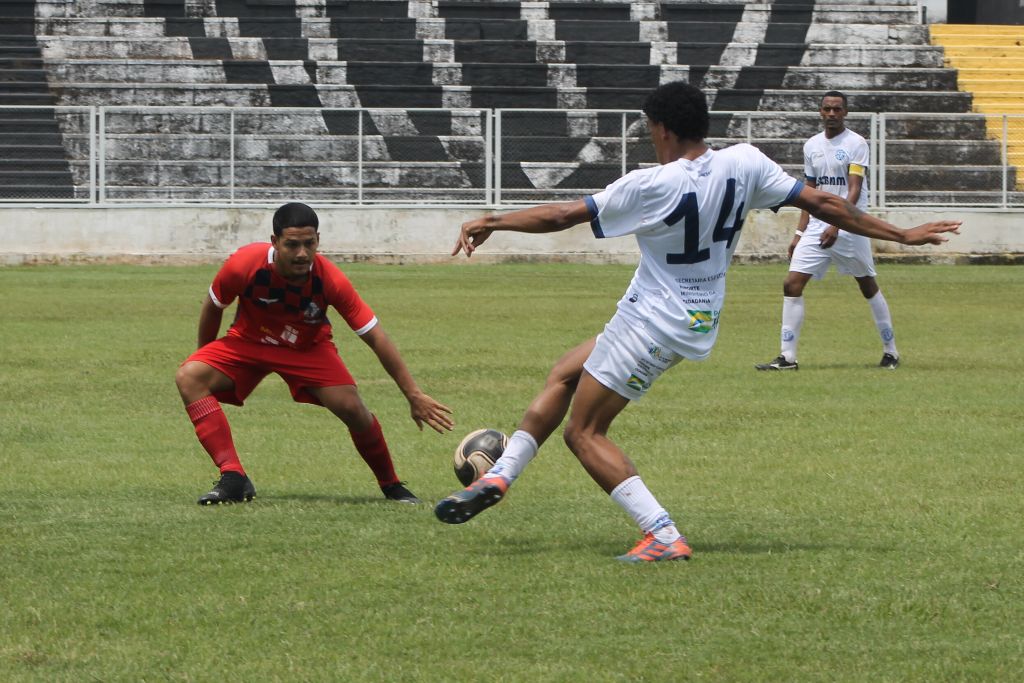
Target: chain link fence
465	157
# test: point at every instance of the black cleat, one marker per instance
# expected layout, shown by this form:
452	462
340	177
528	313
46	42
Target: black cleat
398	493
232	488
466	504
779	363
889	361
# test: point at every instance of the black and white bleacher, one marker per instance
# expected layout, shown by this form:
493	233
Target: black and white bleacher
441	59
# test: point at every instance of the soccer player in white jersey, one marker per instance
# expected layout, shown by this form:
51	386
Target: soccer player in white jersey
686	214
835	161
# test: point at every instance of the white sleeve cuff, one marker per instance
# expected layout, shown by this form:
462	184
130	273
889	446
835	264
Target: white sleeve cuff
215	300
367	327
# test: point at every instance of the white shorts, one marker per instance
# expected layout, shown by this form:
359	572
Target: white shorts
851	254
626	360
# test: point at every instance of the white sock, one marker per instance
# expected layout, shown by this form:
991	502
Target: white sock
883	321
792	321
633	496
521	449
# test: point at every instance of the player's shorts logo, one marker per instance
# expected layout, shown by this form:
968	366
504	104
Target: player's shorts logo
703	321
637	383
659	354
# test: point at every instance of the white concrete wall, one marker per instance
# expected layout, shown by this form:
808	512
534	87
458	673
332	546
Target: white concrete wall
936	10
207	234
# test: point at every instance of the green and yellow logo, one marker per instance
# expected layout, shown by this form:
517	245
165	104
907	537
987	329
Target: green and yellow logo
637	383
703	321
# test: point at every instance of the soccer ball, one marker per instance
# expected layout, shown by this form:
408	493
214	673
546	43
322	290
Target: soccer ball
477	453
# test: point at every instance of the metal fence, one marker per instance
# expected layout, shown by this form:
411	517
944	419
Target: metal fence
102	156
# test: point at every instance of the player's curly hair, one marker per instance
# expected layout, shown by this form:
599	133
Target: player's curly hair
294	215
680	107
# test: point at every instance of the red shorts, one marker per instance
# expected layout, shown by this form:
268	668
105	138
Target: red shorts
247	363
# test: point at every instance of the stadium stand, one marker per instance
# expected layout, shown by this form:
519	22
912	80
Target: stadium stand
990	64
442	61
32	155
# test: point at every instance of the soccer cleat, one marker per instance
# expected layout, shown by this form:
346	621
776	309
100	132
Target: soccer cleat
650	549
779	363
232	488
466	504
398	493
889	361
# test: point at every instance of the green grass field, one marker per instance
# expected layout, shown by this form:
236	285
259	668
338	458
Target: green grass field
848	523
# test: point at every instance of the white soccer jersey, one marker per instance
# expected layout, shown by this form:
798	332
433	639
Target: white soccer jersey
687	216
827	163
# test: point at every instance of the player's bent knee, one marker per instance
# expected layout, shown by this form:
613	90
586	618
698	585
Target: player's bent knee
189	381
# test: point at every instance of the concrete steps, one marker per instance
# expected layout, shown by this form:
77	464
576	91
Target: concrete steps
420	73
990	63
455	55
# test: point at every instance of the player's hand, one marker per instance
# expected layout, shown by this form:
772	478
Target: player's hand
424	409
931	233
792	246
829	236
473	234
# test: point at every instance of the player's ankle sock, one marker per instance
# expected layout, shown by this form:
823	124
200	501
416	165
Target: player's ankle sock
374	451
883	321
214	433
521	449
634	497
792	321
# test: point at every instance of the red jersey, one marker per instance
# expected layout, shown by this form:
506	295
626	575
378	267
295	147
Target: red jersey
273	311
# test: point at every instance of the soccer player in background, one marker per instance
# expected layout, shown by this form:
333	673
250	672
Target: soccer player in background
836	161
283	290
686	214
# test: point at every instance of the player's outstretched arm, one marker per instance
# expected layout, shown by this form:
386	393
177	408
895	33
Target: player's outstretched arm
837	211
536	220
424	409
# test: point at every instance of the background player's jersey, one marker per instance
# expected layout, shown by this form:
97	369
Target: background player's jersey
272	310
827	163
687	216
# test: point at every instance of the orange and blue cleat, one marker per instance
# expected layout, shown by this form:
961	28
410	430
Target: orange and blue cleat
650	549
466	504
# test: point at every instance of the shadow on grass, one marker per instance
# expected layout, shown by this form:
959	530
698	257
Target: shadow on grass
334	499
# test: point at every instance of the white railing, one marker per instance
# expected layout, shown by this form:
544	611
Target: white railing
106	156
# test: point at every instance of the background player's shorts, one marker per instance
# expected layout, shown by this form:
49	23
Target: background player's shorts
247	363
626	360
851	254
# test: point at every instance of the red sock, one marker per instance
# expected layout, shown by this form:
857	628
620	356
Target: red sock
214	433
374	450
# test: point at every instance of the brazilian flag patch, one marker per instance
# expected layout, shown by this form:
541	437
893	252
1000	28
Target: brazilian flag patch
637	384
703	321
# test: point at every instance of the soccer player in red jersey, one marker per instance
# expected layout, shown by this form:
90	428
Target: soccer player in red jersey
283	290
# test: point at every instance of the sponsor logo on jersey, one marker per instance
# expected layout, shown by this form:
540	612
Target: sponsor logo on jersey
836	180
703	321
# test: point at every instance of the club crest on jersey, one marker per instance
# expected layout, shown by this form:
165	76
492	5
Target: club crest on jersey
312	311
703	321
841	155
